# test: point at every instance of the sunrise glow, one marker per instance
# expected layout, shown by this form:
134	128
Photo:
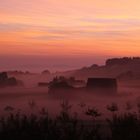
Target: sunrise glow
76	28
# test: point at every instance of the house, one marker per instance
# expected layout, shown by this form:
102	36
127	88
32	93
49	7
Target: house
102	85
43	84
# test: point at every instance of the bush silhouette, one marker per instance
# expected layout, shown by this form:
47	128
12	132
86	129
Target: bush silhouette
67	126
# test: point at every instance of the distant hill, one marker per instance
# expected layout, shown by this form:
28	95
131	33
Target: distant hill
121	68
125	69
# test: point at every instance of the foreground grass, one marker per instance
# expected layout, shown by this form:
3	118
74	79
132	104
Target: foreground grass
67	126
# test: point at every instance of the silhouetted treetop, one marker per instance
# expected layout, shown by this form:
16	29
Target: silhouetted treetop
122	61
8	81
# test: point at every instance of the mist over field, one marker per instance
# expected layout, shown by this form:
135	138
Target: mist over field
22	97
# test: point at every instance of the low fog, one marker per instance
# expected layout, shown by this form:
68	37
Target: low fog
22	98
30	97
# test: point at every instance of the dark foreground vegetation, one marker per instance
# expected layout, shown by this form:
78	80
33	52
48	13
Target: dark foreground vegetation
67	126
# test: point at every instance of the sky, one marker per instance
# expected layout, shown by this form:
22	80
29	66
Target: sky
66	34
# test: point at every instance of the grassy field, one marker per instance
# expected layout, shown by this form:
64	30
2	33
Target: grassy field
67	125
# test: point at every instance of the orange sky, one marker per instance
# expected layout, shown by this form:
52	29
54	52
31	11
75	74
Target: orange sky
79	28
